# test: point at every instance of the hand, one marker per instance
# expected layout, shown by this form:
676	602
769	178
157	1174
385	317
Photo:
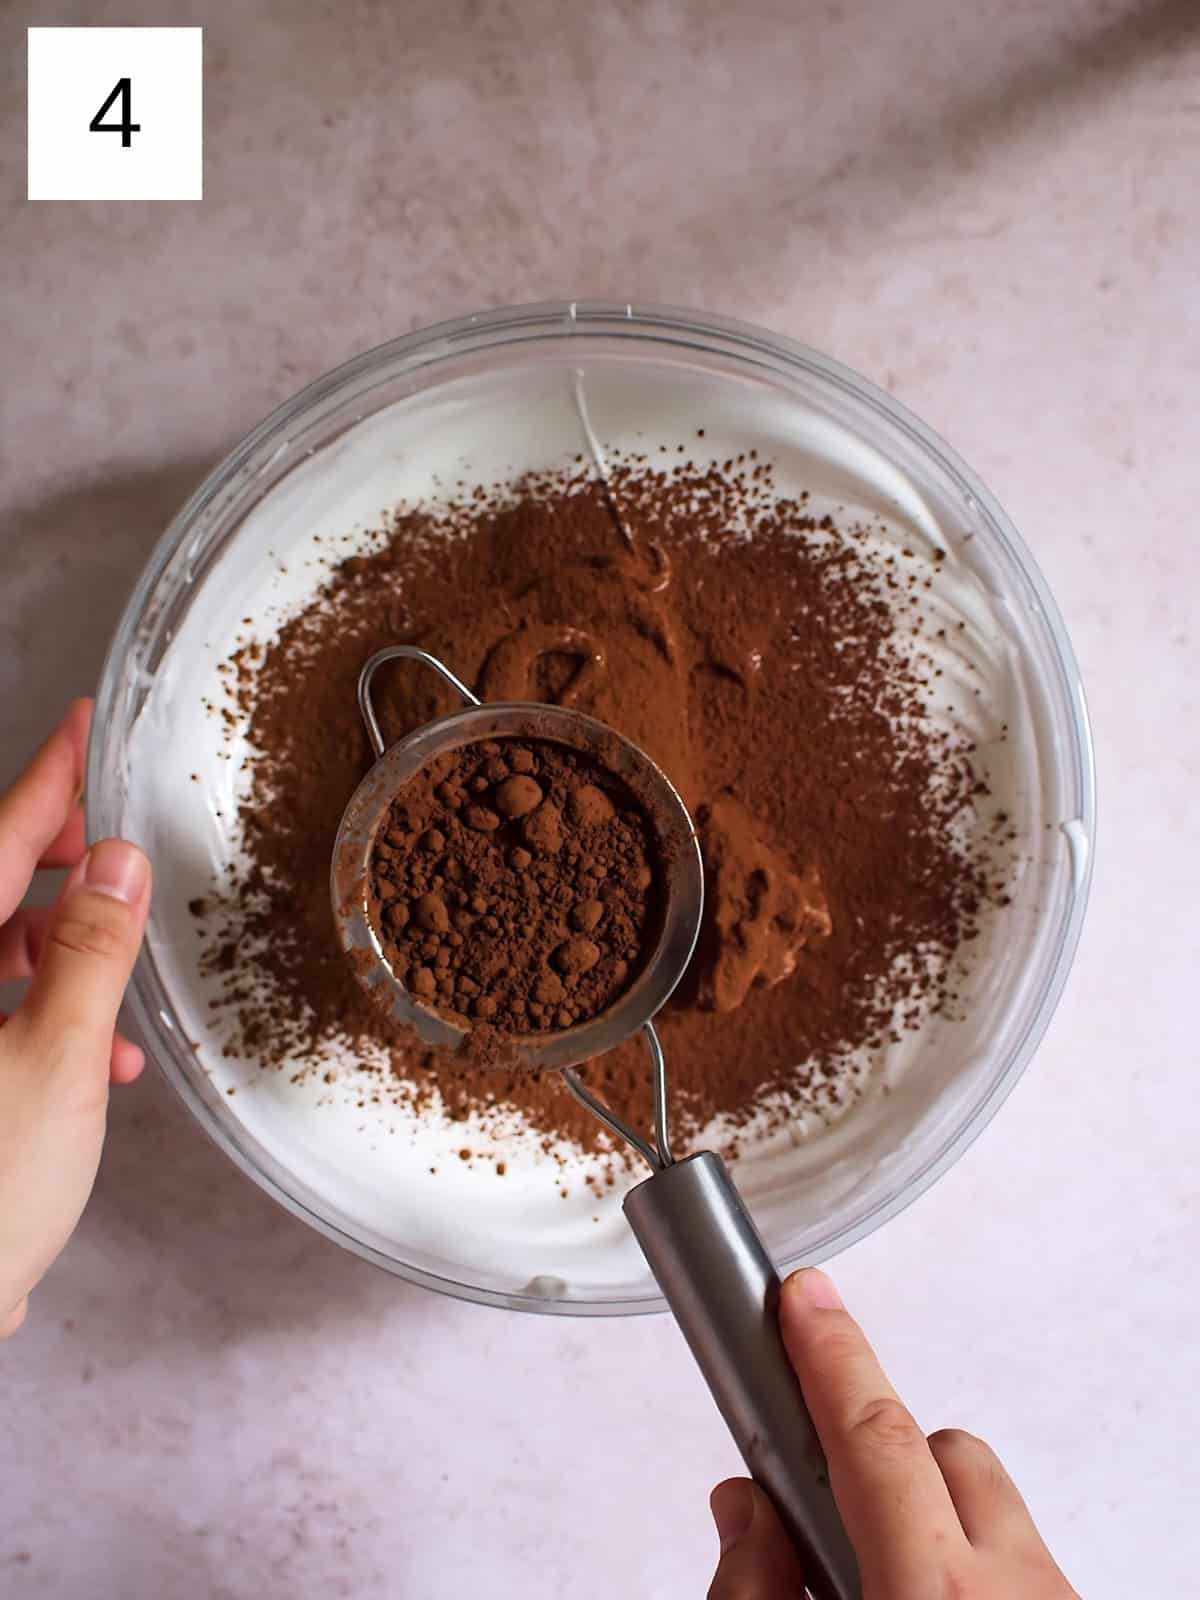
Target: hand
936	1516
58	1053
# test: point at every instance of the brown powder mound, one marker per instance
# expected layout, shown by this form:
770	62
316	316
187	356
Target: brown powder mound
761	656
512	881
760	914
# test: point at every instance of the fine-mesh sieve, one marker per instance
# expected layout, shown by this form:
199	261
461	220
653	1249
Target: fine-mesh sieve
688	1217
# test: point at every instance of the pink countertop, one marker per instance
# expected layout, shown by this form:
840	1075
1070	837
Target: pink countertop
993	210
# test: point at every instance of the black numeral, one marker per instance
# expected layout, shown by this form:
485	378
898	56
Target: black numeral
126	127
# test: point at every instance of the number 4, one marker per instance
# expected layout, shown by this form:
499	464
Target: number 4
126	127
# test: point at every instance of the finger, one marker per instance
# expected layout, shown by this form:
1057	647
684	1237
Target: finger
758	1560
21	941
126	1062
69	844
892	1497
34	812
92	942
988	1502
10	1321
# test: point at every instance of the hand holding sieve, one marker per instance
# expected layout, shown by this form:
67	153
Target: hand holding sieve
688	1217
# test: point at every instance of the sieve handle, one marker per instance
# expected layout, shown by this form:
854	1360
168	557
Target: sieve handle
718	1279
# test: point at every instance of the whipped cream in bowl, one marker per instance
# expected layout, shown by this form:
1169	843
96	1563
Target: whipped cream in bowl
485	400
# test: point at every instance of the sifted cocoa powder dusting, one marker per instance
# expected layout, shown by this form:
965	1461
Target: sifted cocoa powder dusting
513	881
770	662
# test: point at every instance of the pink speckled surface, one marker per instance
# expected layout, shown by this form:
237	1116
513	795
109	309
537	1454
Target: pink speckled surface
992	209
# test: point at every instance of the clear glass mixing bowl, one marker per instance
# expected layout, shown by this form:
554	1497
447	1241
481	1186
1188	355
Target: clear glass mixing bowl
476	396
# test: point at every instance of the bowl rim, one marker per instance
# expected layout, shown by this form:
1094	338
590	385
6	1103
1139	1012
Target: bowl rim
659	324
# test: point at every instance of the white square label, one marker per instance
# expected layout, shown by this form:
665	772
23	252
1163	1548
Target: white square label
115	114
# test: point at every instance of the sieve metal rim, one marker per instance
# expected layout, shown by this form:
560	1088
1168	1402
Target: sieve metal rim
475	724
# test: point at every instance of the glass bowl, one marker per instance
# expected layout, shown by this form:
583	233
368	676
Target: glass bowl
486	396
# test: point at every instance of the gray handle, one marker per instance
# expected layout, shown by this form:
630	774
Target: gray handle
719	1281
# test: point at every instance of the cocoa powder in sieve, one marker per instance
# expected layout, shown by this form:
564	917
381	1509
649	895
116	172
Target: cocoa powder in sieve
516	882
771	662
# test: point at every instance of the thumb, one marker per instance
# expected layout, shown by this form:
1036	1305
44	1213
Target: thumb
758	1560
92	941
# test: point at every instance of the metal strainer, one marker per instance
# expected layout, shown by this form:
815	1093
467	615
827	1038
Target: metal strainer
688	1217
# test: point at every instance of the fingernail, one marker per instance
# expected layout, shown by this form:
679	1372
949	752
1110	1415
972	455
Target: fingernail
118	869
732	1505
811	1287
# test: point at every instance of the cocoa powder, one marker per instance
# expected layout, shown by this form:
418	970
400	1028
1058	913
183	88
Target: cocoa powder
515	882
771	662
